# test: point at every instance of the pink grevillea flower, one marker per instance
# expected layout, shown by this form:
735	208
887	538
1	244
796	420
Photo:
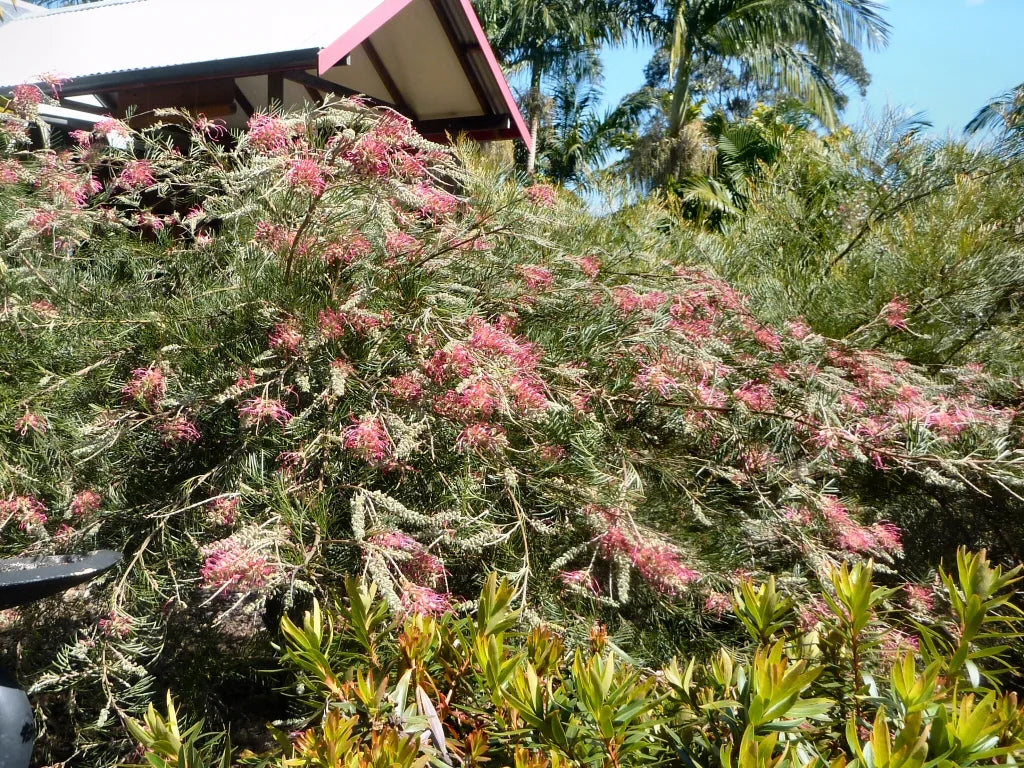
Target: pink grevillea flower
371	156
581	581
43	222
658	563
148	220
436	203
273	236
396	540
497	340
542	194
341	372
919	598
109	125
481	438
812	614
223	510
653	377
85	503
262	411
208	127
25	100
852	401
10	171
31	422
408	387
368	438
234	566
472	400
536	278
895	313
590	265
334	323
179	429
757	397
58	177
895	642
447	363
709	396
29	511
269	134
305	173
55	81
399	243
718	604
552	454
626	299
425	601
393	128
528	394
414	561
147	386
888	537
117	625
348	250
286	338
854	537
768	338
9	618
137	174
757	461
798	329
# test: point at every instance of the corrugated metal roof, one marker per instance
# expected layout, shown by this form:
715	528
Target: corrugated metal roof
134	35
12	9
435	50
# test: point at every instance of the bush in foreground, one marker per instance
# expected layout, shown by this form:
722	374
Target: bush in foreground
326	346
842	687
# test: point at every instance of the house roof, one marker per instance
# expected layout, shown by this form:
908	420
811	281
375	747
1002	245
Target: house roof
427	58
11	9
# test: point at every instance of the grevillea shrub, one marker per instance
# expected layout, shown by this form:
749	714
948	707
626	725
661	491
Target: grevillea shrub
258	363
843	686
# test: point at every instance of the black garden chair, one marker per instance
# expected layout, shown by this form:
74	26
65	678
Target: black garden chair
24	580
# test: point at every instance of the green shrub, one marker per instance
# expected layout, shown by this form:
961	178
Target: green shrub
859	683
258	364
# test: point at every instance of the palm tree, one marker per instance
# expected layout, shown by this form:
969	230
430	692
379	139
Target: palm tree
1005	112
539	35
577	137
792	44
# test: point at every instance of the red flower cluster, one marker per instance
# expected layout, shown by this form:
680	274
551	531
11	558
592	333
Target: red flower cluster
148	386
262	411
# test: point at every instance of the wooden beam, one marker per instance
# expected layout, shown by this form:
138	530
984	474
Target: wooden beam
275	90
91	109
314	95
457	125
243	102
321	84
385	77
459	49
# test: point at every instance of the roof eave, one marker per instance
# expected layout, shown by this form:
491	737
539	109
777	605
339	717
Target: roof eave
281	61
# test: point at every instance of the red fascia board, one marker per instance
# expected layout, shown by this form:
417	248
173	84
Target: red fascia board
499	76
358	32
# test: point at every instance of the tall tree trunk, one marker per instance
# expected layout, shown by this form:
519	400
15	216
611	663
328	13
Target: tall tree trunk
534	106
680	102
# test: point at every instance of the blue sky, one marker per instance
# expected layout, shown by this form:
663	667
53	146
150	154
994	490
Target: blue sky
945	58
